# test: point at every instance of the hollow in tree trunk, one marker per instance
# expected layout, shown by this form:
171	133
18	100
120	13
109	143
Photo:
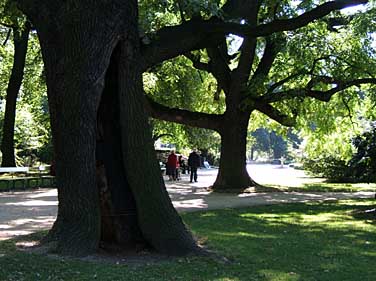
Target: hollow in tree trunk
101	136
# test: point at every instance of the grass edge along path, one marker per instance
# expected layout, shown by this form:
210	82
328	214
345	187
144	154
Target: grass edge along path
313	241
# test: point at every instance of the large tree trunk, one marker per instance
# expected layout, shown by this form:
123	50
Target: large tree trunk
103	140
118	208
232	175
20	39
76	50
75	61
160	224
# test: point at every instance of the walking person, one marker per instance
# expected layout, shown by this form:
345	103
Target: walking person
194	163
182	164
172	165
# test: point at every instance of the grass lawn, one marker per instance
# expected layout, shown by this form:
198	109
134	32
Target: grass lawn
315	241
329	187
341	187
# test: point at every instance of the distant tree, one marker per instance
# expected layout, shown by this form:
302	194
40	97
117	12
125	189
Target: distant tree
293	55
31	130
272	143
261	141
20	31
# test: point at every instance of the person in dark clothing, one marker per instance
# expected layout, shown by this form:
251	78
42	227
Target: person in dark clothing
182	164
194	163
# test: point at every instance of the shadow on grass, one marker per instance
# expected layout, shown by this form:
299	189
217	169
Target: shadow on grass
300	242
313	241
330	187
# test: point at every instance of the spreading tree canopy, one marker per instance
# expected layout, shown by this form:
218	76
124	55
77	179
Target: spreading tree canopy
290	55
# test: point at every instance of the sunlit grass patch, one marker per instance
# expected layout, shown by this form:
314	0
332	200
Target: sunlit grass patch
323	186
339	187
281	275
322	241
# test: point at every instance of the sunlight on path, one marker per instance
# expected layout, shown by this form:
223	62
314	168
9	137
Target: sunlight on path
26	212
282	176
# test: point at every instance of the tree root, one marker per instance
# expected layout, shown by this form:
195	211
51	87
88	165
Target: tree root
253	187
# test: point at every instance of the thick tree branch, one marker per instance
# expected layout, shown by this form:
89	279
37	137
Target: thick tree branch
196	34
41	9
172	41
319	95
219	65
245	10
352	65
270	52
181	11
280	83
157	137
216	66
274	114
181	116
7	37
341	85
240	76
263	104
7	25
289	24
241	9
197	63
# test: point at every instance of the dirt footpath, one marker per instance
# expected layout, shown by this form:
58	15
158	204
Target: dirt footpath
25	212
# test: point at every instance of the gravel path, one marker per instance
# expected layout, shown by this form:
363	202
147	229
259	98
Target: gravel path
25	212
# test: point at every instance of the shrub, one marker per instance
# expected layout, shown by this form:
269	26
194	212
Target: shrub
360	168
330	167
363	163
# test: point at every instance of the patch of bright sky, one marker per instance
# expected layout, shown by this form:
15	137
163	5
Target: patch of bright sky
357	9
354	9
234	42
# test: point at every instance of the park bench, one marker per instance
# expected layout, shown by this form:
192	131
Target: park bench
13	170
162	167
25	177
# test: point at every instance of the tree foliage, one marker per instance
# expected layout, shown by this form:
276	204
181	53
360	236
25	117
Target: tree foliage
32	128
178	83
290	57
361	167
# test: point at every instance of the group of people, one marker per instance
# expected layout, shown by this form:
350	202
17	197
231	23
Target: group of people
175	162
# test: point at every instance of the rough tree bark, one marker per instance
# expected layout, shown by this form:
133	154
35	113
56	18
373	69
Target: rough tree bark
161	226
81	43
20	40
232	175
